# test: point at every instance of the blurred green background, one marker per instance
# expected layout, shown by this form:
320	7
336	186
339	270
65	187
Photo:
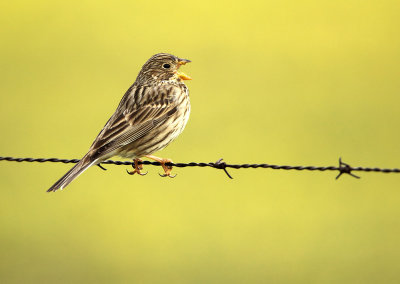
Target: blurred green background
283	82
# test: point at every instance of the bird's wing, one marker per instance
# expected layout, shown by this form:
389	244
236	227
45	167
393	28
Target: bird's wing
140	110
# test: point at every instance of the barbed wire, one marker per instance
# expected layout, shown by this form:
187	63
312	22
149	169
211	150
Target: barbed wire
343	168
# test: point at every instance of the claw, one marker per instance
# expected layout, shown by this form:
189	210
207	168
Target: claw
167	175
136	172
136	168
163	162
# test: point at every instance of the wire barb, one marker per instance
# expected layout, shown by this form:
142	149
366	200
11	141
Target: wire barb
221	165
101	167
343	168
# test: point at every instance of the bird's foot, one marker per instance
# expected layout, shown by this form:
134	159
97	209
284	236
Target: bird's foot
167	168
137	168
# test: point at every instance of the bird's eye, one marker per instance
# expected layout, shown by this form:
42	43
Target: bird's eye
166	66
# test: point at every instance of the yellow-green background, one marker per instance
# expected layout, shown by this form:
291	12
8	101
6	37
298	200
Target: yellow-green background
284	82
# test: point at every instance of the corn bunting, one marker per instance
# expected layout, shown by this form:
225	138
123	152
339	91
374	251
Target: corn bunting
151	114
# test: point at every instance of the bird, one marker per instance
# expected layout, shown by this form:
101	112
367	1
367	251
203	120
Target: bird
152	113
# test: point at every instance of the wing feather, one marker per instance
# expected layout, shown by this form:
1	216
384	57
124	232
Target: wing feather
140	110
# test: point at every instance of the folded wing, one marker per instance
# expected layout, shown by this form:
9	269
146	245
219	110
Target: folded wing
140	111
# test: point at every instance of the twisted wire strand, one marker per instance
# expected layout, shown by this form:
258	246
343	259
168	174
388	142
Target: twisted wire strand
343	168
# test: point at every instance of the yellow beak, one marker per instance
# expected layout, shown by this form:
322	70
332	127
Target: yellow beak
183	76
182	61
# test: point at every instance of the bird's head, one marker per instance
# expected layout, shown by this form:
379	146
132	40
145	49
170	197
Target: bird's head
162	67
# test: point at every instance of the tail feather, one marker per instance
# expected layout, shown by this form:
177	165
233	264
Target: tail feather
72	174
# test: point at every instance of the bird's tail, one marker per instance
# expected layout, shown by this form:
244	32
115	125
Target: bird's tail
72	174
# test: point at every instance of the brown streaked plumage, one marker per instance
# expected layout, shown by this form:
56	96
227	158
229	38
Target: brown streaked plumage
151	114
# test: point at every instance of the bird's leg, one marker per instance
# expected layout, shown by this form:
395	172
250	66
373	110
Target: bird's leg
167	169
136	168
